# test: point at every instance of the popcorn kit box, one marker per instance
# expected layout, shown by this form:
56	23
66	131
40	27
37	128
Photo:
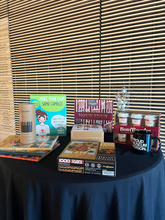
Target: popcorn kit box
126	122
94	111
88	158
50	112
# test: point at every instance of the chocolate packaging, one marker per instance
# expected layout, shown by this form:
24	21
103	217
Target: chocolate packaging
88	158
126	122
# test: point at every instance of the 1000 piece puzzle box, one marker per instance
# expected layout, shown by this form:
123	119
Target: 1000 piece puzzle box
88	158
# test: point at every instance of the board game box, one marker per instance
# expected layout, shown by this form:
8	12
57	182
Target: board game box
94	111
88	158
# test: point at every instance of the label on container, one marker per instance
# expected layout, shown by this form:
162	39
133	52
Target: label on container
149	123
136	122
123	121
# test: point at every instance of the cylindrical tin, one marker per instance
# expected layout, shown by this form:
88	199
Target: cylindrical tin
27	123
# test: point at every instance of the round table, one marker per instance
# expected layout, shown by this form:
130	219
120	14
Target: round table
37	191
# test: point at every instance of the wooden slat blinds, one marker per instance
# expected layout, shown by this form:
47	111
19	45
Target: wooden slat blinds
3	9
6	92
133	54
89	49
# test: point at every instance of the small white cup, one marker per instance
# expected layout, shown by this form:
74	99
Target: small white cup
123	118
150	120
136	119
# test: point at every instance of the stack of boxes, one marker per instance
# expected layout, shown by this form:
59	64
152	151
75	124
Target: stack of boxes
87	153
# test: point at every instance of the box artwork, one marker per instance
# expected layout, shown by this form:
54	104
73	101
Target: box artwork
86	132
12	144
88	158
11	148
98	112
50	113
126	122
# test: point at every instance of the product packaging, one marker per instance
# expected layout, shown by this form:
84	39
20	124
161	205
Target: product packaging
94	112
50	111
88	158
126	122
27	123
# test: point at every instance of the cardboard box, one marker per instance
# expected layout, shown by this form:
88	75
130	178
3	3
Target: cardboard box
94	111
126	122
52	109
88	158
85	132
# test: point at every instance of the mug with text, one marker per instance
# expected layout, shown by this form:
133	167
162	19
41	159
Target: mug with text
143	141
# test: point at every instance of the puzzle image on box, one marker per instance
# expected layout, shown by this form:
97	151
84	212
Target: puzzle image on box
77	149
88	158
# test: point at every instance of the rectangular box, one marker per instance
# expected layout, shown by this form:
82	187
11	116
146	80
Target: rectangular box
12	144
88	158
96	111
126	122
11	147
50	112
86	132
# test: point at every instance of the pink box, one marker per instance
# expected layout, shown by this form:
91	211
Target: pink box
94	111
126	122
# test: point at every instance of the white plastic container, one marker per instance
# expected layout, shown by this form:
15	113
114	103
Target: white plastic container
150	120
136	119
123	118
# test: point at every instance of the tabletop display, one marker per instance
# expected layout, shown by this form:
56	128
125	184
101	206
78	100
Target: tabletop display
90	180
93	119
103	176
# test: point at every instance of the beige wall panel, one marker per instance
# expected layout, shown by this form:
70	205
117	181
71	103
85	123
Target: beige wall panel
7	126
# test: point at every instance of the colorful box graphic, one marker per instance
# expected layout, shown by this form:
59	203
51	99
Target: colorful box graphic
88	158
94	111
50	112
126	122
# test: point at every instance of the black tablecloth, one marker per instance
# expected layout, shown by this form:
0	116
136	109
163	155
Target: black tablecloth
37	191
